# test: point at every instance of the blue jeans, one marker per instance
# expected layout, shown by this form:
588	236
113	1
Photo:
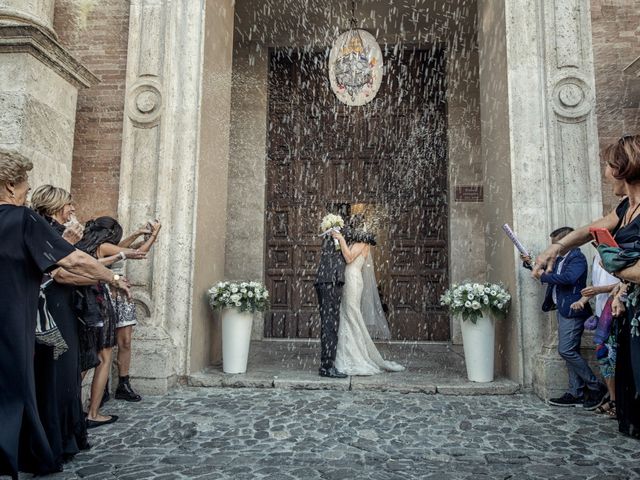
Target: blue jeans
580	374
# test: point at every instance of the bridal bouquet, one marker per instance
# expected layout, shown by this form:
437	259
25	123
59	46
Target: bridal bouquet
245	296
330	222
471	299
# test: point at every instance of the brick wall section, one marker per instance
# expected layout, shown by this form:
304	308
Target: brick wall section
616	43
96	33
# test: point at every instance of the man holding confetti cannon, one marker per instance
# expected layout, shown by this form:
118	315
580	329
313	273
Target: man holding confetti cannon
564	285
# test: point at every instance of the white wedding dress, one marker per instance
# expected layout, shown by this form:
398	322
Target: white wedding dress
356	353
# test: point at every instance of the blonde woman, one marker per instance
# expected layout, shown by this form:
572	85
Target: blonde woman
58	380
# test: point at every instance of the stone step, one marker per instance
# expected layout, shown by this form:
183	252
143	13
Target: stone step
431	368
403	382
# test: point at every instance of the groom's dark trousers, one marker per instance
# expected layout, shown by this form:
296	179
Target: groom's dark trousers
329	298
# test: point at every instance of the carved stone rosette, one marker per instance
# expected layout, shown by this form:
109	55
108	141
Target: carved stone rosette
144	102
573	98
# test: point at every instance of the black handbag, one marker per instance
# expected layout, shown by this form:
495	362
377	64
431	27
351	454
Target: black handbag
47	332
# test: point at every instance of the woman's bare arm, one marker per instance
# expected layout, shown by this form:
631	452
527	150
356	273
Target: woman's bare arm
60	275
148	243
349	253
630	274
546	260
85	265
108	250
126	243
111	259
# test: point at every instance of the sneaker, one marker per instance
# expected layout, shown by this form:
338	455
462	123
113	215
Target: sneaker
567	400
595	399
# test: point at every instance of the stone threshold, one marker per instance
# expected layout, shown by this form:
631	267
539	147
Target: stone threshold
432	368
404	382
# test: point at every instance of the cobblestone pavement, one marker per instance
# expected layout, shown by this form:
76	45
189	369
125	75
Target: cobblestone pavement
215	433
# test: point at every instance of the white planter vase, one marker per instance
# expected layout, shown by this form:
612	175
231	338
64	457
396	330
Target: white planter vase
478	340
236	338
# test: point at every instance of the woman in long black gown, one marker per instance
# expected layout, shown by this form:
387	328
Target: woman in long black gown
624	156
28	248
58	381
628	345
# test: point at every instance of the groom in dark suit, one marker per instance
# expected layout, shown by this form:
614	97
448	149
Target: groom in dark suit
329	283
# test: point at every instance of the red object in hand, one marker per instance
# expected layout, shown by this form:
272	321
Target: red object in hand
602	236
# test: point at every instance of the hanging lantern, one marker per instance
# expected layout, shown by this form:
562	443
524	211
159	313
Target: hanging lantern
355	66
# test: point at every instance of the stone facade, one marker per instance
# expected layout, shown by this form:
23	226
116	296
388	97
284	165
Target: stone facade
176	136
102	46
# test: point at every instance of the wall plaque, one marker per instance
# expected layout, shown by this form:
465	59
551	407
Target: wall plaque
469	193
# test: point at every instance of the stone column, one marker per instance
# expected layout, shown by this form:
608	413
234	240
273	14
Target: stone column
574	168
39	82
540	151
466	252
245	248
174	161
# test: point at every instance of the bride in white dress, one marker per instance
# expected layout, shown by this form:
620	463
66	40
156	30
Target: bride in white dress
356	353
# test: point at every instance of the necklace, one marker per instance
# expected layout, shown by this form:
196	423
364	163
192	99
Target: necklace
627	222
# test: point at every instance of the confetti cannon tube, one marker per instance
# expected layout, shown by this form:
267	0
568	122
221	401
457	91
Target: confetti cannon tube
511	234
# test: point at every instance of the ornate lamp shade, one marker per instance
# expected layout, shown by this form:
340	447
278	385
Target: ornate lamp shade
355	67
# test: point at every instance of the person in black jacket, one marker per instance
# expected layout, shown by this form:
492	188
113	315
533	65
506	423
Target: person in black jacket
329	283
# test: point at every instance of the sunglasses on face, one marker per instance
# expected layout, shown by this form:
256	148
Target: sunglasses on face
624	138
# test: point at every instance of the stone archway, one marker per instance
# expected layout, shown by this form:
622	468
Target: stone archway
388	157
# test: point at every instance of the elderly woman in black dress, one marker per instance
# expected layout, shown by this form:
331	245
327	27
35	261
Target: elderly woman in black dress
29	247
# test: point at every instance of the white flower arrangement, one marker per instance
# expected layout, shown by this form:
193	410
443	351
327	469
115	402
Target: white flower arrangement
471	299
331	221
244	296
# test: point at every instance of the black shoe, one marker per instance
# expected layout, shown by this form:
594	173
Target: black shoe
332	373
567	400
595	399
97	423
125	392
